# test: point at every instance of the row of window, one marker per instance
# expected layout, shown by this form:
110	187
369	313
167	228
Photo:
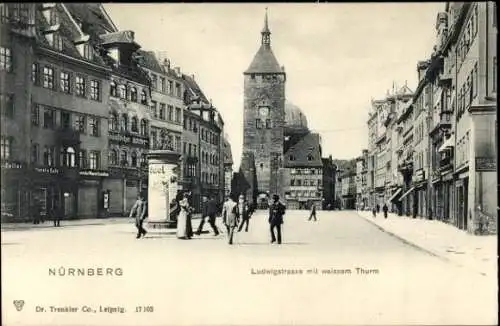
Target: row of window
67	157
68	83
166	112
209	137
305	193
190	124
122	158
209	178
305	171
190	149
468	36
467	92
67	120
15	12
127	93
124	124
166	86
306	182
207	158
419	132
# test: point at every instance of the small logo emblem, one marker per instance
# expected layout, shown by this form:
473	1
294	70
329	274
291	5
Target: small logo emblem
19	304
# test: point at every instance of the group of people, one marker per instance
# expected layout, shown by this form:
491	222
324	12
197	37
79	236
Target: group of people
376	209
54	213
235	216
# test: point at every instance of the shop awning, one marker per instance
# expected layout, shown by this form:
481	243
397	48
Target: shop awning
397	192
406	193
448	143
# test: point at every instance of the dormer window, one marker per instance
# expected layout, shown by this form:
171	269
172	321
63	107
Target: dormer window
57	42
292	158
310	157
87	52
54	17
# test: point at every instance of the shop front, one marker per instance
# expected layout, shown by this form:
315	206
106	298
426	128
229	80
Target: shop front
420	193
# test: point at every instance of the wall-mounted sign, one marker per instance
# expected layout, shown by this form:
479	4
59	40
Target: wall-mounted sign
128	140
486	164
48	170
12	166
92	173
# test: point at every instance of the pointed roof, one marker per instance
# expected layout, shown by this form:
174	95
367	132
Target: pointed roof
264	60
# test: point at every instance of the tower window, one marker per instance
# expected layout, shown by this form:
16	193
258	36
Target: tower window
258	123
292	158
268	124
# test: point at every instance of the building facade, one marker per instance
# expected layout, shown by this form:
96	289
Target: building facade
54	138
348	191
329	171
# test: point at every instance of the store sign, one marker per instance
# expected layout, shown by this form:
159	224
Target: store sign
49	170
129	140
12	166
91	173
486	164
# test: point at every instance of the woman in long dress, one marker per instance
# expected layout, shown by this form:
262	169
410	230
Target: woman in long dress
183	223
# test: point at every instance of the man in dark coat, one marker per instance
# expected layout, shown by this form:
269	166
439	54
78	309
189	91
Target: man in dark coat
209	210
276	213
385	209
139	212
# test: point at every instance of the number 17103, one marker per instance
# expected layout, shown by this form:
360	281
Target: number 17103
144	309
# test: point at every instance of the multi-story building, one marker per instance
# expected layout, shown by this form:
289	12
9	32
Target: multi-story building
329	171
473	31
361	181
338	189
167	101
228	165
348	191
53	92
372	152
202	161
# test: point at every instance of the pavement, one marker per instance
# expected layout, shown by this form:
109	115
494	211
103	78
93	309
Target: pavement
341	269
446	241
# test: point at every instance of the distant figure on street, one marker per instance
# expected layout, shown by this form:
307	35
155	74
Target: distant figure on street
230	217
209	210
244	213
385	209
36	211
184	230
139	211
374	211
378	208
276	213
313	212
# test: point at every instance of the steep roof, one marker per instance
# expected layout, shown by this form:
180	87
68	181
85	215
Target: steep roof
92	14
194	87
264	61
148	60
307	145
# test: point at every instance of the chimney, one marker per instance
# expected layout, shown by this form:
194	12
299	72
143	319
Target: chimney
166	63
177	70
192	76
283	68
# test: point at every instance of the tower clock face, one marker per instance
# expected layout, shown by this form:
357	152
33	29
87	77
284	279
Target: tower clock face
264	111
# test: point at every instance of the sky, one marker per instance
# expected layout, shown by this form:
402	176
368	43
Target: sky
337	56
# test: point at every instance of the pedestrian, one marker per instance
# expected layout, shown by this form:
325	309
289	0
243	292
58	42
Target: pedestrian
230	217
36	211
244	213
139	211
209	210
56	213
184	230
378	208
385	209
276	213
374	211
313	212
204	214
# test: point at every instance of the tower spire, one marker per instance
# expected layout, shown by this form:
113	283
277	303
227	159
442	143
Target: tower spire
266	33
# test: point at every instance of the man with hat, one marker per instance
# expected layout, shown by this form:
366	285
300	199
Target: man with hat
276	213
243	213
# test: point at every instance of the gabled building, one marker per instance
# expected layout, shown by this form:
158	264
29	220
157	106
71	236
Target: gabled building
54	87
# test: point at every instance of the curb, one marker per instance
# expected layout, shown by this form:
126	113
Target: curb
420	248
